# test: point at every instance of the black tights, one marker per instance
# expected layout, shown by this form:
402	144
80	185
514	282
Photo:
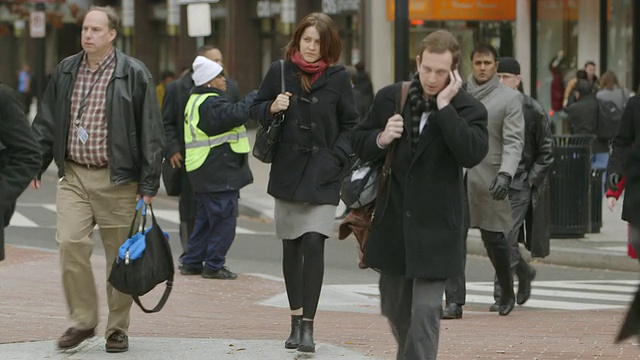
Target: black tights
303	268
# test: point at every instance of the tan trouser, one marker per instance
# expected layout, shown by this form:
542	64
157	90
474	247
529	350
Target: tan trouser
85	198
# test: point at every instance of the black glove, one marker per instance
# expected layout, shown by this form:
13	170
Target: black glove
612	181
499	187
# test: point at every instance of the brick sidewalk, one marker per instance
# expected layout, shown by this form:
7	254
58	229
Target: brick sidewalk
32	308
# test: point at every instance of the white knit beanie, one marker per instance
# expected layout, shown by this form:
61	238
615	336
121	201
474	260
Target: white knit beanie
205	70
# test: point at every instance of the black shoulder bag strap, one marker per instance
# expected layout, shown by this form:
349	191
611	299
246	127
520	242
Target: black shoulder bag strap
402	92
169	283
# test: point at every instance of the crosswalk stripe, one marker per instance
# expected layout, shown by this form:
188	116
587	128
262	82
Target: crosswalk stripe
538	291
20	220
556	295
545	304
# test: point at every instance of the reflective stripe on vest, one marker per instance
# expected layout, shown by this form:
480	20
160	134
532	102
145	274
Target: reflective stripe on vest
198	144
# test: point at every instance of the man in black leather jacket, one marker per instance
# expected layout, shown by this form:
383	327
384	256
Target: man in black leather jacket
529	189
100	121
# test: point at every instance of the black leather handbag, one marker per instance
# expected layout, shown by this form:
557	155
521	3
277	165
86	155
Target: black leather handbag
144	261
268	137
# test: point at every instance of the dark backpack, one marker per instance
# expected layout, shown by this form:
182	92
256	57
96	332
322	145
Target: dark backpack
608	120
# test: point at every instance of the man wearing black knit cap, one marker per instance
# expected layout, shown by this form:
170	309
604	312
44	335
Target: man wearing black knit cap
529	190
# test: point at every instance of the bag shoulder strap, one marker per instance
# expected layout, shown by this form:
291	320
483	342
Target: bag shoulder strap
282	76
161	302
401	96
402	91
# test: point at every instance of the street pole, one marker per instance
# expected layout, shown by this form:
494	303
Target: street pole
401	40
40	62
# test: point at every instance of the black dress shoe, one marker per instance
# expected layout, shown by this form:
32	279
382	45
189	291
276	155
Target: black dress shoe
524	286
222	274
494	307
452	311
73	337
507	302
189	270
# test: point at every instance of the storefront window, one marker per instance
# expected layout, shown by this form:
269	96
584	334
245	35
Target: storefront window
620	40
500	34
557	50
471	21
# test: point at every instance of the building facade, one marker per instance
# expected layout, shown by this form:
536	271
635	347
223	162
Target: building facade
253	33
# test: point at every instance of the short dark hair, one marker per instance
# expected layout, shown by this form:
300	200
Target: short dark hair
581	74
439	42
484	48
204	48
589	63
583	87
167	74
114	20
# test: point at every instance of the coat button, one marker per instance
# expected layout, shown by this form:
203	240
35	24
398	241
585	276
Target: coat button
408	213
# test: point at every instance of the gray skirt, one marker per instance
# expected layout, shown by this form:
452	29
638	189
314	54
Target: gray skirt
293	219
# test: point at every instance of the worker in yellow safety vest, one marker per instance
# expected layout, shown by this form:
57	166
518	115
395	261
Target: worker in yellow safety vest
216	148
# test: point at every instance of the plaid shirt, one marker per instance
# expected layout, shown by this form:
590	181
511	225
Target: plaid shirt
91	85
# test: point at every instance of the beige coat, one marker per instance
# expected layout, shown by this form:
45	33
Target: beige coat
506	140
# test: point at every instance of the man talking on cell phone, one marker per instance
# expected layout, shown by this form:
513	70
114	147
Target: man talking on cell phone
416	247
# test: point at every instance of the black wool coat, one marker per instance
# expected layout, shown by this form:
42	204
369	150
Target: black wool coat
625	159
223	170
417	228
314	152
20	156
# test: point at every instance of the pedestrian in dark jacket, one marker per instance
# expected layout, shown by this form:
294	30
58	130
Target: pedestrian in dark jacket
625	162
175	99
216	148
311	159
583	117
363	86
20	156
529	190
100	121
416	238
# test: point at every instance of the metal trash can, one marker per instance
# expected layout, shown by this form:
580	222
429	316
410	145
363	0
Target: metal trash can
596	200
569	180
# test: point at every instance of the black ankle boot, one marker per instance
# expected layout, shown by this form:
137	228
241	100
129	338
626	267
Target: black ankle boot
306	338
294	338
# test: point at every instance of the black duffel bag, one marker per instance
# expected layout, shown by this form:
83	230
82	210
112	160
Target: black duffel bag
144	261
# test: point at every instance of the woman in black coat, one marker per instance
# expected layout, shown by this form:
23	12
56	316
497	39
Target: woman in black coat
311	159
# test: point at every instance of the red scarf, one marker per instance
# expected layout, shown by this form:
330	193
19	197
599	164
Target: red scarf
316	68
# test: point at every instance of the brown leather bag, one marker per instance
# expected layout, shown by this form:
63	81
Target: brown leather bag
358	221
